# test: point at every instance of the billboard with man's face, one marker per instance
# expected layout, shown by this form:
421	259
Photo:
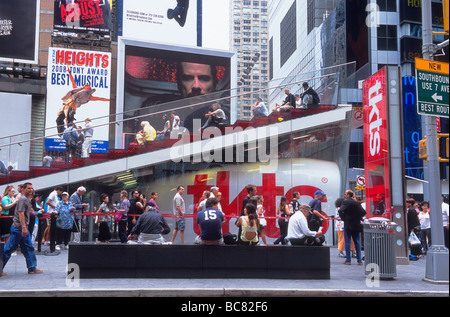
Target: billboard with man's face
161	79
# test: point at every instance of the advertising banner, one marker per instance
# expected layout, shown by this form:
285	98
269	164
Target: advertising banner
177	22
19	40
82	16
376	150
78	87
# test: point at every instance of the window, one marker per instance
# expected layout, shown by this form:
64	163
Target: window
387	5
387	38
288	34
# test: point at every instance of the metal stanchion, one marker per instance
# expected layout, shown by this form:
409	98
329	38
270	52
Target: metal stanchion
52	251
40	234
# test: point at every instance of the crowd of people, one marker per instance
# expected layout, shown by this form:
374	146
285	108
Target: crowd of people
419	225
139	220
216	117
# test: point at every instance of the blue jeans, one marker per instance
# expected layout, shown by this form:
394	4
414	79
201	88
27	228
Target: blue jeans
26	247
348	236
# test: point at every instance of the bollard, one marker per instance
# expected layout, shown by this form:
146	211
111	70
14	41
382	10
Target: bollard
52	236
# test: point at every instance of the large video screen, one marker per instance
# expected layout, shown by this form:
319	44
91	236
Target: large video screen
158	80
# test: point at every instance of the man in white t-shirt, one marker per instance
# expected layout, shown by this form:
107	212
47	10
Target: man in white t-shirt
52	200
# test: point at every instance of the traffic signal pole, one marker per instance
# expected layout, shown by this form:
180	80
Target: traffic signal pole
437	266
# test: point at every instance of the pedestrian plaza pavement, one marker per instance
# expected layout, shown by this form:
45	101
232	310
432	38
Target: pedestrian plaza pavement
345	281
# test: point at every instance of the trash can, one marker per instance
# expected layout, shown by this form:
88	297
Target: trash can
379	247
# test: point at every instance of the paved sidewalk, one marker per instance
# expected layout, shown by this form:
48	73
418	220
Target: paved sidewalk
345	281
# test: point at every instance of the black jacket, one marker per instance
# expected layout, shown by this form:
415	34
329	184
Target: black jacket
351	212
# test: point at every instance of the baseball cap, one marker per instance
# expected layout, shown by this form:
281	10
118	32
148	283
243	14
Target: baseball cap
319	192
65	193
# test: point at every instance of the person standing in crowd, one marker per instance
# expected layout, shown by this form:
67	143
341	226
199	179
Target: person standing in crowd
152	199
202	203
249	224
210	223
316	218
298	232
176	121
64	221
260	109
284	212
9	202
19	232
88	135
122	216
77	201
47	160
104	234
51	202
262	221
295	204
412	217
132	211
352	213
179	210
425	226
309	97
340	230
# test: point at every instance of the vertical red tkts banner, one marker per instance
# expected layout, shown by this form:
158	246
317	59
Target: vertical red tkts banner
376	145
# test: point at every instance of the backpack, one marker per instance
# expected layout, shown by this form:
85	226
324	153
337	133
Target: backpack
230	239
313	222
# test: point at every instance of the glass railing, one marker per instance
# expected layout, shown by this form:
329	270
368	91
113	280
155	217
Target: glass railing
41	152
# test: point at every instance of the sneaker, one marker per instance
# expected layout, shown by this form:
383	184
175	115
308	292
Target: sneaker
341	254
346	263
354	255
35	271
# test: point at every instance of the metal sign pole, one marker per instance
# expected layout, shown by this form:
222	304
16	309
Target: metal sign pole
437	256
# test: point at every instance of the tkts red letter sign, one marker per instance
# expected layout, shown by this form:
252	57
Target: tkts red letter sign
376	145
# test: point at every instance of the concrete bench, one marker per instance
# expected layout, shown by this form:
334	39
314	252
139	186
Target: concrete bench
198	261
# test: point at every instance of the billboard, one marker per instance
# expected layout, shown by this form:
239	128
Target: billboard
18	40
412	127
78	87
376	149
178	22
83	16
159	79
